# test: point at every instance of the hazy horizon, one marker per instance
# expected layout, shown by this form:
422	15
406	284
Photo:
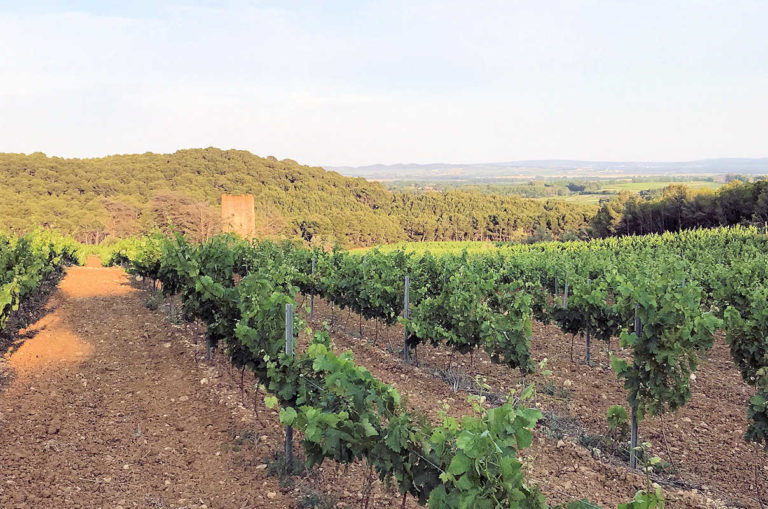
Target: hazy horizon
366	83
404	163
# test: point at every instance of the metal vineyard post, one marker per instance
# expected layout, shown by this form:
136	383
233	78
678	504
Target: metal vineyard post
289	351
312	297
405	315
633	430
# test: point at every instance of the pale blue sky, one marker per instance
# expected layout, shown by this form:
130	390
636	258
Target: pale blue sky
359	82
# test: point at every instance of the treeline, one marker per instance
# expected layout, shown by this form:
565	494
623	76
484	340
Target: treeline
123	195
678	207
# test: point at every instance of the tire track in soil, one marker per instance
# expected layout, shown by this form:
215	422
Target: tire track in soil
106	410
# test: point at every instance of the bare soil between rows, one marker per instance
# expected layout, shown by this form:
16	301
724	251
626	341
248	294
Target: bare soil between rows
710	463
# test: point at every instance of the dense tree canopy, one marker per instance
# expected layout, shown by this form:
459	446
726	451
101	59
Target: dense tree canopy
121	195
677	207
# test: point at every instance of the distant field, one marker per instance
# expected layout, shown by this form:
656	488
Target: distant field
578	198
634	187
645	186
435	248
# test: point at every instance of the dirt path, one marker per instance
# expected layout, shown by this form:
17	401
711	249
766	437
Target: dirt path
107	410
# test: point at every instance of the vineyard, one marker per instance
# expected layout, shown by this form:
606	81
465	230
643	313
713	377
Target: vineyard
663	297
649	309
25	262
447	257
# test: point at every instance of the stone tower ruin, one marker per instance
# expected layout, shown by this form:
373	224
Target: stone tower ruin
237	215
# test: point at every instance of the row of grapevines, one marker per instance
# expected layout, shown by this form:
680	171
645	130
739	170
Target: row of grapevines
476	310
25	262
588	288
486	301
596	289
453	302
344	412
680	283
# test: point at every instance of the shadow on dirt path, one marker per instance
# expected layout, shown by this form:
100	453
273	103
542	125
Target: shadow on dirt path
27	321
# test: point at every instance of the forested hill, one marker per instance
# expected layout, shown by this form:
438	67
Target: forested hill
121	195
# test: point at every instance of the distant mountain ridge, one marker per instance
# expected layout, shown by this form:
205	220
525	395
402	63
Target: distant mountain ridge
554	167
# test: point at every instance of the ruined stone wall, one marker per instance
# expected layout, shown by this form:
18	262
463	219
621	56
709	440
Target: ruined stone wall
237	215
